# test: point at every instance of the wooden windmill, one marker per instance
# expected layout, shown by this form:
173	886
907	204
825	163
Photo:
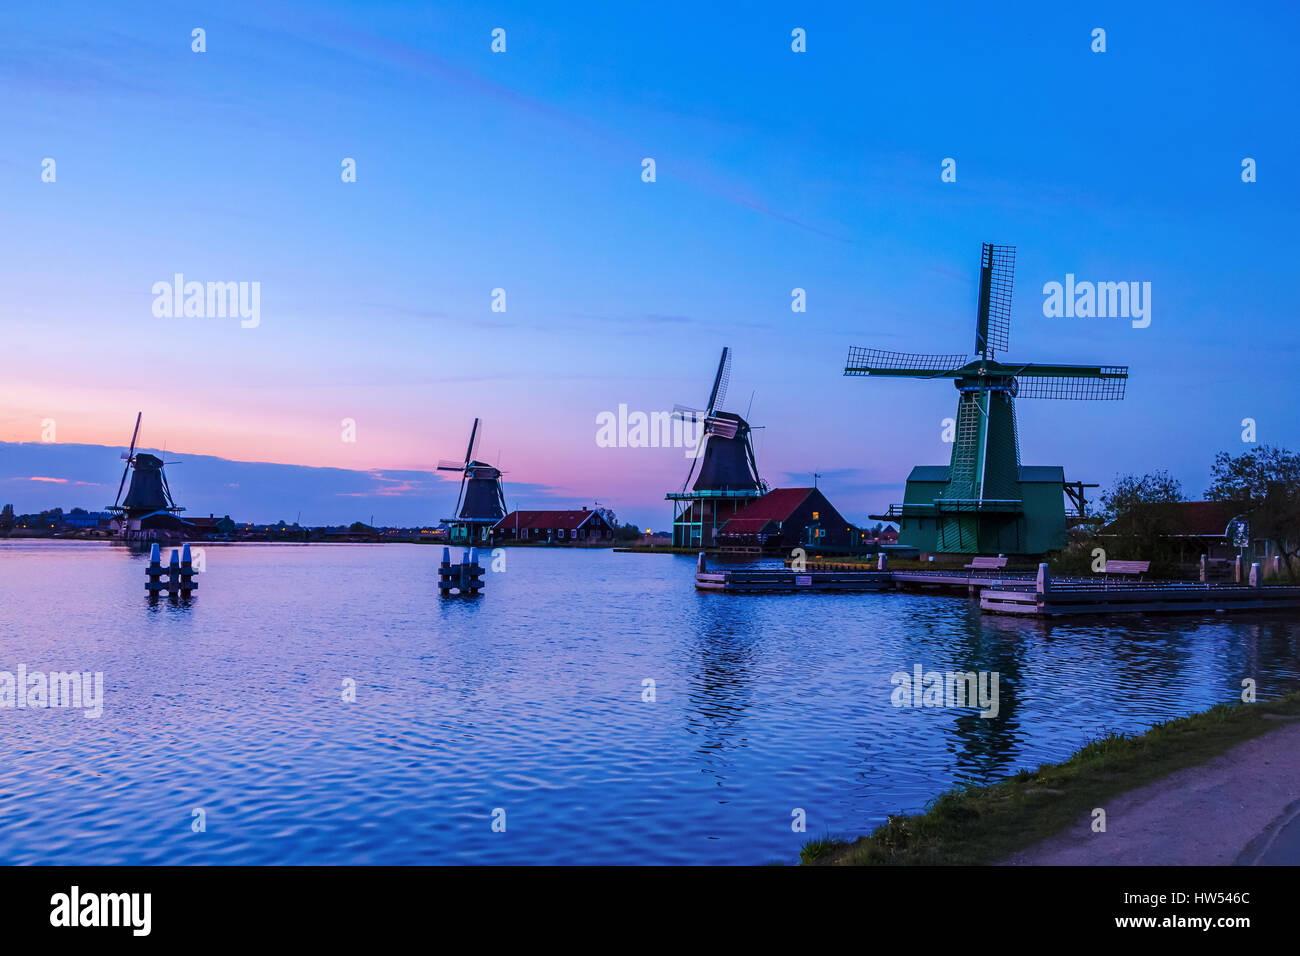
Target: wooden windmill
148	495
481	502
728	478
985	501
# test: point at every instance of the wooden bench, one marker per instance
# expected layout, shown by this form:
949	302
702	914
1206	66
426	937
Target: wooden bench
986	564
1128	567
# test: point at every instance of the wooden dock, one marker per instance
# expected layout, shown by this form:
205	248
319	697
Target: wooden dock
1050	598
826	576
786	580
1019	593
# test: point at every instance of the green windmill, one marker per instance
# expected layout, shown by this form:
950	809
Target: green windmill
985	500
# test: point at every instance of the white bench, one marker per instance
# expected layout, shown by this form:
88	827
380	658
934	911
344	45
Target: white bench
1128	567
986	564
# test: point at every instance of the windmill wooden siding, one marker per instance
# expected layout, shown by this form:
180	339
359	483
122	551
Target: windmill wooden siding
1035	527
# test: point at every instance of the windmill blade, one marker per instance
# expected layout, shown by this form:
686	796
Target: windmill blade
469	452
719	393
906	364
686	413
694	458
461	493
135	434
167	490
447	464
997	274
122	483
1078	382
753	461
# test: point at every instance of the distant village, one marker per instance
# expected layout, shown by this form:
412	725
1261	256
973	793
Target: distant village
590	527
583	526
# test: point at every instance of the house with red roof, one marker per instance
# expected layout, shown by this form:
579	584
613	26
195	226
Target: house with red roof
554	527
784	519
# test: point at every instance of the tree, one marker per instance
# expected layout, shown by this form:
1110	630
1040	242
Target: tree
1140	512
1264	484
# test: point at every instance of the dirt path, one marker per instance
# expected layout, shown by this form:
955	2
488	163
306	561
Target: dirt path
1241	807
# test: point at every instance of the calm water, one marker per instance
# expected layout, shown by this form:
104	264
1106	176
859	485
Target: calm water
530	699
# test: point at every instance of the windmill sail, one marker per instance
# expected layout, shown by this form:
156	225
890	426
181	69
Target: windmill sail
880	362
1101	383
997	273
127	458
720	381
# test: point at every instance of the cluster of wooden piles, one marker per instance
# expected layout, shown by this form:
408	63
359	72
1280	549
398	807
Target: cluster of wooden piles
179	573
464	578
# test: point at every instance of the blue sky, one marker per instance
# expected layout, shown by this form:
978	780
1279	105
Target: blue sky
522	171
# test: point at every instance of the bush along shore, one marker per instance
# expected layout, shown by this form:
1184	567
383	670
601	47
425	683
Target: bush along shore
986	824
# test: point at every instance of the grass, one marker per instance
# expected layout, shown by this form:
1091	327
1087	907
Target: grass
978	825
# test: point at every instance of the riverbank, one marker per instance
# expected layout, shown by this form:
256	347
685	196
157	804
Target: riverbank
1211	762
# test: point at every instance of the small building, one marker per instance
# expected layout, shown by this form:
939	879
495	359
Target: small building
554	527
1201	528
784	519
212	526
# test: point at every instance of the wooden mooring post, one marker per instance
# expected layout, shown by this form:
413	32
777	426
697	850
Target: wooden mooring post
154	572
465	578
179	573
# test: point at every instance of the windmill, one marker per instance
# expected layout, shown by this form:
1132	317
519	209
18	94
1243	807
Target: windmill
481	502
148	494
728	477
985	500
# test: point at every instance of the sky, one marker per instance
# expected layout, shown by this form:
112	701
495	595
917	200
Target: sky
523	171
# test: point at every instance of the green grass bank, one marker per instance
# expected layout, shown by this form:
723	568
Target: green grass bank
986	824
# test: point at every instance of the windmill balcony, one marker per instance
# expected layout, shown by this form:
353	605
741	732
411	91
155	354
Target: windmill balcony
989	505
692	495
